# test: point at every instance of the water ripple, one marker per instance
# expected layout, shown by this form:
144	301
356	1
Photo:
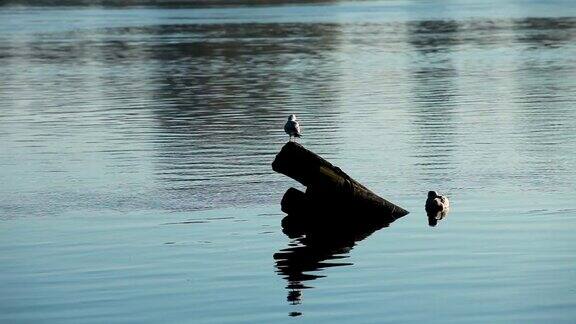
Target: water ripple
187	115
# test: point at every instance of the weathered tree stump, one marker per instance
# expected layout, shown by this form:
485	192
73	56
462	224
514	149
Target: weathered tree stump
330	191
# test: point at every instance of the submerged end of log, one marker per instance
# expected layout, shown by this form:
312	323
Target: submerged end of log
294	202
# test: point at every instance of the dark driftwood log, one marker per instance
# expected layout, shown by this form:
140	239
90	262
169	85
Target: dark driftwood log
294	202
329	189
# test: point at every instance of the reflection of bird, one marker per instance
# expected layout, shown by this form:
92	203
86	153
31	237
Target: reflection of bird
292	127
434	217
436	203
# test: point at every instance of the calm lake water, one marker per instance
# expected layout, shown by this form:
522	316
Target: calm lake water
136	145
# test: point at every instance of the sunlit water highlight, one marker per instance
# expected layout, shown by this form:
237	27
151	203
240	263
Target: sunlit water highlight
137	142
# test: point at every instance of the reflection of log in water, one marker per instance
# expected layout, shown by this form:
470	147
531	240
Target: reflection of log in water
315	247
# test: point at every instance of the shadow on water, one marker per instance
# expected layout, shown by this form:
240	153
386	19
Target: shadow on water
224	88
316	246
544	120
204	103
191	113
538	33
213	97
434	91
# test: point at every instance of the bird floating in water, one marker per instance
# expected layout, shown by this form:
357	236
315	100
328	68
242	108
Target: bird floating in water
292	128
436	203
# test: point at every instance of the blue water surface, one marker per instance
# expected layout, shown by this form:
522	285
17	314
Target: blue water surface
136	144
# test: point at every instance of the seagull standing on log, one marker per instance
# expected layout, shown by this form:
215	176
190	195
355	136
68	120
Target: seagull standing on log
292	128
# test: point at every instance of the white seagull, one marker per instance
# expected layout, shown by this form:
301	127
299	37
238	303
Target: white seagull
292	128
436	203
